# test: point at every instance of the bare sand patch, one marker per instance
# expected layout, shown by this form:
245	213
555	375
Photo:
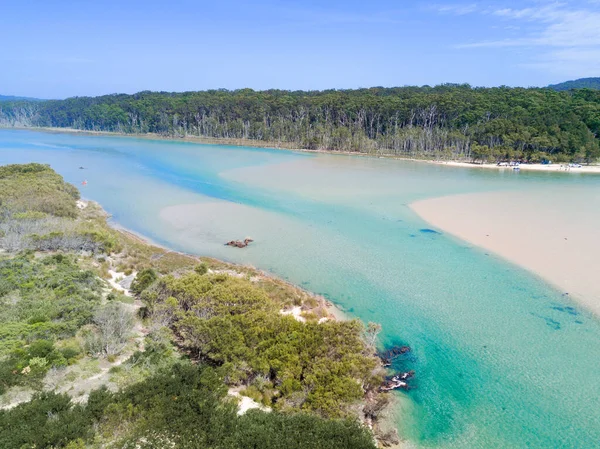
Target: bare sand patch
554	234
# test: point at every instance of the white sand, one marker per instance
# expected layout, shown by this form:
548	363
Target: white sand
554	234
120	281
245	403
528	167
296	312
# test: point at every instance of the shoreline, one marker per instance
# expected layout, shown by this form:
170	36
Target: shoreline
562	254
589	169
336	313
563	168
384	424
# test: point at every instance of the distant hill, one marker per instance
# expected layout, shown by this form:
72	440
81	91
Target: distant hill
13	98
582	83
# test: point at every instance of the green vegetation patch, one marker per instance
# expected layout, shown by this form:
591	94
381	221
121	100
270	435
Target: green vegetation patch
48	297
231	323
38	212
184	407
42	301
34	188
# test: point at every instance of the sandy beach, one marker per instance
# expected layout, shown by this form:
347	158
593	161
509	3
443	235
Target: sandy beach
554	235
564	168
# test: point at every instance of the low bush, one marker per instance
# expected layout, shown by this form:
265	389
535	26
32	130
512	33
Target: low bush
184	407
143	280
230	323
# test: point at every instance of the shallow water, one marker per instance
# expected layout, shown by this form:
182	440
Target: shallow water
502	359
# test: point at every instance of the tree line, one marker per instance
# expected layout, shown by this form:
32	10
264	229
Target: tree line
446	121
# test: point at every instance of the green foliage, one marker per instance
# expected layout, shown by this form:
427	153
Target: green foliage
42	300
38	211
233	324
143	280
433	122
27	365
261	430
31	188
201	269
48	297
183	407
47	421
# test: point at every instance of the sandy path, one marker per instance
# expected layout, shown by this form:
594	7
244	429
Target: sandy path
556	235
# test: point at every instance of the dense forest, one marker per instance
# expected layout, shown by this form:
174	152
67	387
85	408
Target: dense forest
107	341
443	122
581	83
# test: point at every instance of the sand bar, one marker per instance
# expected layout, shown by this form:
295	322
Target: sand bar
555	235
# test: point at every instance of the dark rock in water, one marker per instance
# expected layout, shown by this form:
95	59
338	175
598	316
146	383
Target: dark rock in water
399	381
238	243
395	351
387	356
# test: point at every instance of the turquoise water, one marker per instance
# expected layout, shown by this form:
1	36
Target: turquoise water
502	359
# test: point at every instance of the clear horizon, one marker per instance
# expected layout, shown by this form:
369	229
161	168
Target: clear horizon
66	49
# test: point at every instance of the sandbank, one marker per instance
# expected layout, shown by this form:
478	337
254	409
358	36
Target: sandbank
555	235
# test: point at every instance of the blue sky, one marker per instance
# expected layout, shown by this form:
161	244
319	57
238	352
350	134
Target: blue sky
56	49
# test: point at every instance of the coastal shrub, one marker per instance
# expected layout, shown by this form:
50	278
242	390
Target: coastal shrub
201	269
184	406
301	431
36	188
143	280
38	211
44	298
232	324
43	302
27	365
49	420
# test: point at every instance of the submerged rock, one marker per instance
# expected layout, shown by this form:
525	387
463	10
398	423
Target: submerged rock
387	356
